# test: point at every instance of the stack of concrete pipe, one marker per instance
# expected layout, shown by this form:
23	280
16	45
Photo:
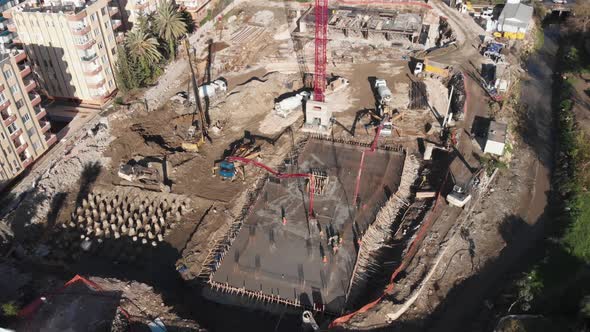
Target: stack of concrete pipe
143	219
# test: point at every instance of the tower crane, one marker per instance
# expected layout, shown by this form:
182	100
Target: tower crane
321	42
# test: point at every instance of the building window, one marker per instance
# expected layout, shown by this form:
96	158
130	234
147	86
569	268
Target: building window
12	128
3	136
36	146
100	46
26	118
111	38
109	71
110	83
96	32
31	131
113	50
8	74
2	98
104	59
14	89
19	104
103	11
106	24
93	17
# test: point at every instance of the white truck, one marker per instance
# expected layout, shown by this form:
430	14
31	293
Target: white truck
286	106
382	91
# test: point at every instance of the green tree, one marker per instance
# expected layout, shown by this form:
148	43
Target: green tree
124	71
188	20
142	47
581	18
169	25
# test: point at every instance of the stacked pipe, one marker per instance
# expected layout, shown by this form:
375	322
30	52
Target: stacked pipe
143	219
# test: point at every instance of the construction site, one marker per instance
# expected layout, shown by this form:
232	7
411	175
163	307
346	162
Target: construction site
295	164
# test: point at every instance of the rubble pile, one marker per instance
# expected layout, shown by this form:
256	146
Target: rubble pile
459	95
86	152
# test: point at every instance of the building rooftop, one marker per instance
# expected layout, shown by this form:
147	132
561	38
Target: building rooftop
517	13
66	7
80	305
497	132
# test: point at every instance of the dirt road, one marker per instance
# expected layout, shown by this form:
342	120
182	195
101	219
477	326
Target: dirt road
521	230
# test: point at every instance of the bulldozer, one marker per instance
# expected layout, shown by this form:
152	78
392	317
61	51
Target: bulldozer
146	173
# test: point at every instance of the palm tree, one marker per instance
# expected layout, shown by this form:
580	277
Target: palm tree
169	24
143	47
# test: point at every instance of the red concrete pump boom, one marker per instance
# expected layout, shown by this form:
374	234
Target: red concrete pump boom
321	42
280	176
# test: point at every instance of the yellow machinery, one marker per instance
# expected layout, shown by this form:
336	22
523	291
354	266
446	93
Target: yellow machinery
192	143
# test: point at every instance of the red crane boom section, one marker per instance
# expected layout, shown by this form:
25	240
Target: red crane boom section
321	42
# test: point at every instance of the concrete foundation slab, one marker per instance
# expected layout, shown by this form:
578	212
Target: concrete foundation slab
302	260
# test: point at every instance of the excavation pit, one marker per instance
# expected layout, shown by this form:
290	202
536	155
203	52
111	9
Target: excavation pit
292	260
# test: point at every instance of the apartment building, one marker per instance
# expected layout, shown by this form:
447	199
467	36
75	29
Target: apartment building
24	130
197	8
5	34
135	8
72	46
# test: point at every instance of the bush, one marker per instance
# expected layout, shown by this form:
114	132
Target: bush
10	309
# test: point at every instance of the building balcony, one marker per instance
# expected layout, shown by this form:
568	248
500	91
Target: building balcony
16	40
7	13
16	134
113	11
88	58
21	147
35	99
45	126
11	27
86	45
76	16
1	87
19	55
140	5
4	105
40	112
80	31
30	85
94	85
116	24
93	70
27	162
7	120
50	139
24	70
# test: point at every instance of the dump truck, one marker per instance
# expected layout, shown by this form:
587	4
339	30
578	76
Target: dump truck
383	92
286	106
429	68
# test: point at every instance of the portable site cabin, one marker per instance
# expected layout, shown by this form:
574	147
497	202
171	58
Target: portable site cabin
515	20
496	139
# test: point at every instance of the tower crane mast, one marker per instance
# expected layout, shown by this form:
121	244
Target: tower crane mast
321	42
